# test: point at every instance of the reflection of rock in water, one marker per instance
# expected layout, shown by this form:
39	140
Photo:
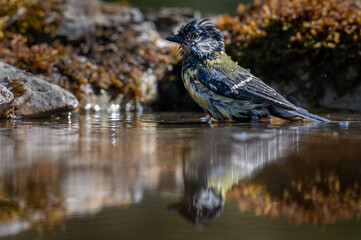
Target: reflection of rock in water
99	162
30	195
49	171
76	169
319	185
208	174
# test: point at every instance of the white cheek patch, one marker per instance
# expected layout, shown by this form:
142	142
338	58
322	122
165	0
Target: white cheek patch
206	46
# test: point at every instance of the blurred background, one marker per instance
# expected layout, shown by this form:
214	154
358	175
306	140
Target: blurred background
204	6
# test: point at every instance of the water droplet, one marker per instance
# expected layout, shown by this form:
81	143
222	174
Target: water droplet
96	107
344	124
114	107
88	106
232	70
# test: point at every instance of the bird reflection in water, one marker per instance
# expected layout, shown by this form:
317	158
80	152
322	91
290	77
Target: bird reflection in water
210	171
302	178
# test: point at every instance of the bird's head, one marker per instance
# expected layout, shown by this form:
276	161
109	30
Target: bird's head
202	39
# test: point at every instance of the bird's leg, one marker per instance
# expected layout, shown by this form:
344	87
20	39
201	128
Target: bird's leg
255	118
210	122
206	118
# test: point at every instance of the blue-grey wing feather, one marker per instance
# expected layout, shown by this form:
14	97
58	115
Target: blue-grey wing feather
241	86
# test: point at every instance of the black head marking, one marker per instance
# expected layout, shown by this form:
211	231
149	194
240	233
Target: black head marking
189	27
202	39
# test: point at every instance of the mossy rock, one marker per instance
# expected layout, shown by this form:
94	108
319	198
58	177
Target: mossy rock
309	50
113	50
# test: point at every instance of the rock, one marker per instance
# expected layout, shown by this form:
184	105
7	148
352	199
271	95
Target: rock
5	95
79	18
110	48
34	96
5	99
113	15
168	20
309	68
350	101
118	42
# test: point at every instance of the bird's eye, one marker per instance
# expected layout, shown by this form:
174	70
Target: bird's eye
195	35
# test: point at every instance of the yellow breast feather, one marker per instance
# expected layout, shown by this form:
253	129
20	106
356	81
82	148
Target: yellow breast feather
191	84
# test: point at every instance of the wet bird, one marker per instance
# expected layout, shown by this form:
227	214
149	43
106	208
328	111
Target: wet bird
220	86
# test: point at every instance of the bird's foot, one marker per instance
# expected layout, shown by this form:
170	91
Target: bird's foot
206	118
255	119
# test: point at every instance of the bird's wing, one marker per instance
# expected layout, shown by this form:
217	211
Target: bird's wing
242	85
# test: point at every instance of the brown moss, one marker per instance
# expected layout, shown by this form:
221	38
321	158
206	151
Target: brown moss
111	58
317	206
313	44
17	88
34	194
8	210
30	17
311	191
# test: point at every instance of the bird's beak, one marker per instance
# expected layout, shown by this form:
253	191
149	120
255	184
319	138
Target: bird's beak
175	38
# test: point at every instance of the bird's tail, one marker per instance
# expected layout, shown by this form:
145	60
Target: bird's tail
299	112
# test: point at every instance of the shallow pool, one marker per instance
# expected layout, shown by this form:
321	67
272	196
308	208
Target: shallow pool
173	176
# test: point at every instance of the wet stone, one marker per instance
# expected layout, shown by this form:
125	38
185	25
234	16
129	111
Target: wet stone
79	18
33	96
5	95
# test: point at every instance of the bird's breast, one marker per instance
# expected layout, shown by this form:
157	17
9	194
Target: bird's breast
197	91
220	107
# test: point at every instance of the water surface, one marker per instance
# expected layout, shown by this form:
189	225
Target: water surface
172	176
